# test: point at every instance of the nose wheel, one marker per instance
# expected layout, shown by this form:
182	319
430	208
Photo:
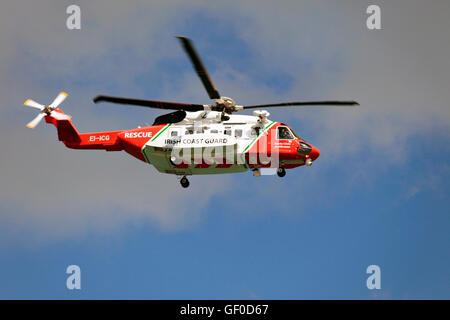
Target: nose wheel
184	182
281	172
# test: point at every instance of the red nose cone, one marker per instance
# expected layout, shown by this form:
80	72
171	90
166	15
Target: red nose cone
315	153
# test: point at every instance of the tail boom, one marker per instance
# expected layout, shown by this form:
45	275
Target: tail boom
69	135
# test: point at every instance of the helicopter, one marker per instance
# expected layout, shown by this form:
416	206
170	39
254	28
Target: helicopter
196	139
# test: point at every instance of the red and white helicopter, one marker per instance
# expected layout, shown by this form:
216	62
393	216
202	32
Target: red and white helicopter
196	139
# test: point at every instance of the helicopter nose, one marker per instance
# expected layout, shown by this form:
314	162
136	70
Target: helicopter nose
315	153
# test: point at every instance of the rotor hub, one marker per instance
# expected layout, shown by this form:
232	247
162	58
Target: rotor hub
226	104
47	110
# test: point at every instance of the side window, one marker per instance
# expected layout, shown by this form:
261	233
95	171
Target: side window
251	133
254	131
227	132
213	131
284	133
189	131
238	133
174	133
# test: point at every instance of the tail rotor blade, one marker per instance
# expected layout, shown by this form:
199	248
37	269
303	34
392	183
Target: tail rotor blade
33	123
60	116
33	104
58	100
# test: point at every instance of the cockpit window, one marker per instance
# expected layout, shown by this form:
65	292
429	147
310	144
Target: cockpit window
284	133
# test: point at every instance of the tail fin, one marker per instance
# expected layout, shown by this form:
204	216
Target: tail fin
67	133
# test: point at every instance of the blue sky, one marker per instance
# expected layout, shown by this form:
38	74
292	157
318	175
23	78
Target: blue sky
377	195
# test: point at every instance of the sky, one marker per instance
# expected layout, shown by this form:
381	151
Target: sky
378	194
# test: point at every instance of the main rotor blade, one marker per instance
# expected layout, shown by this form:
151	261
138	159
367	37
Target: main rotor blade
305	103
58	100
199	68
33	123
150	103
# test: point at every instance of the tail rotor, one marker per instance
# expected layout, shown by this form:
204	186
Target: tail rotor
50	110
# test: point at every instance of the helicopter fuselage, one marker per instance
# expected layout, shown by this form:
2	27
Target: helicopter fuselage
201	144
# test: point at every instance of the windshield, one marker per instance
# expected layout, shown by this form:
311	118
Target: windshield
296	135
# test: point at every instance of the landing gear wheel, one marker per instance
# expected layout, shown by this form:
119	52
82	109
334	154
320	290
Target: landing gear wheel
184	182
281	172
